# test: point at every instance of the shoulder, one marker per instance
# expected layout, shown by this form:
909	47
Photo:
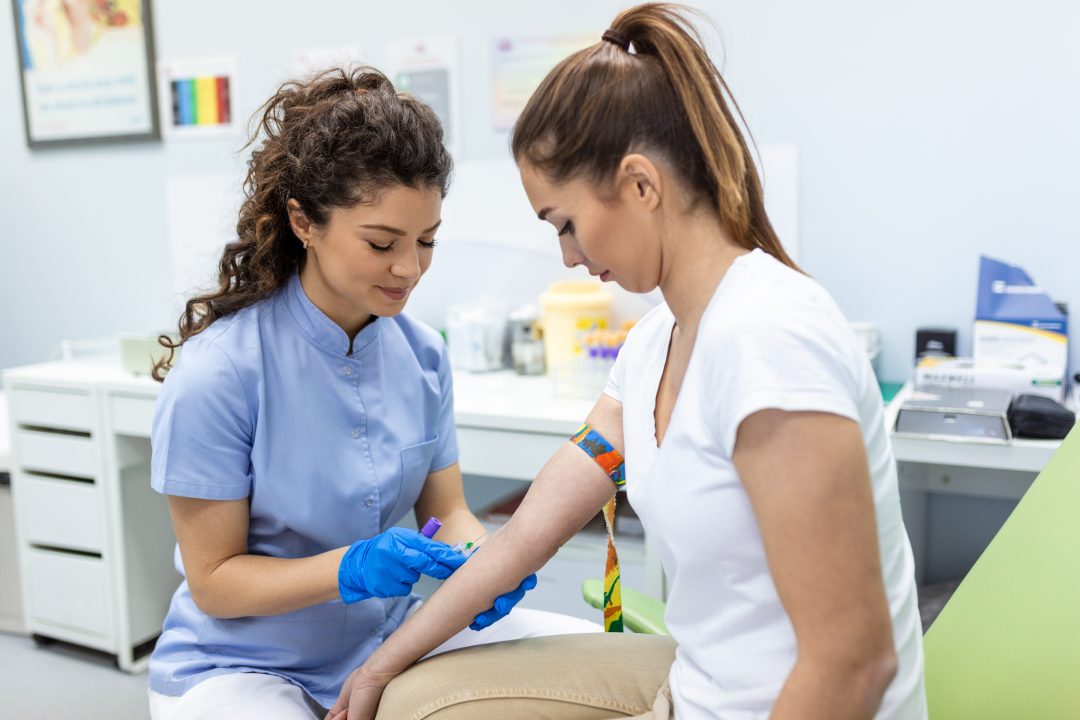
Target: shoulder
420	339
763	298
225	353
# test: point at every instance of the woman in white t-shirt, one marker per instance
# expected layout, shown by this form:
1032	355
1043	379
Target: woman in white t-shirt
749	417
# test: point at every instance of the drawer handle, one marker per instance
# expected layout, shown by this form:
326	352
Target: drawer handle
54	431
58	476
65	550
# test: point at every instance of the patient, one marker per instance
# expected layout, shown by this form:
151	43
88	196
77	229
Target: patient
751	423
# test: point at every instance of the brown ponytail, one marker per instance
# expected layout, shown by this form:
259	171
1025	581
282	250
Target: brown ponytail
334	140
660	94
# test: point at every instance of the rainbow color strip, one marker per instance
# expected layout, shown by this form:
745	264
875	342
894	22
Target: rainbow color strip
201	101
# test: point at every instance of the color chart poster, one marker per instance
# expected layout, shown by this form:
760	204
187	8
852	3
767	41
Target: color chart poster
198	97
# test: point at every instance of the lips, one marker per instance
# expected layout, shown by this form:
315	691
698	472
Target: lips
394	293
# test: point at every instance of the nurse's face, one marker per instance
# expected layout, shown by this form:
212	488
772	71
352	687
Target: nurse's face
367	259
616	238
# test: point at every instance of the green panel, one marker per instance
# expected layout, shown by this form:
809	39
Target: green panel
1007	644
641	613
889	390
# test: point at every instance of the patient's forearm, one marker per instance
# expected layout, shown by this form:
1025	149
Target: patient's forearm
564	497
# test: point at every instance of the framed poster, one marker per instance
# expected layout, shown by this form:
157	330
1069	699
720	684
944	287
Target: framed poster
86	69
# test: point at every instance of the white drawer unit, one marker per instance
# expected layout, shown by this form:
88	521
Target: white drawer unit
131	414
60	512
53	408
53	579
94	542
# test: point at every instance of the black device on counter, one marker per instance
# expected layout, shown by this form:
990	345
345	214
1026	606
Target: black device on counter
939	342
1035	416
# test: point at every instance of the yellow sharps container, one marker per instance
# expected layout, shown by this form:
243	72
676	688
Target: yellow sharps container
570	309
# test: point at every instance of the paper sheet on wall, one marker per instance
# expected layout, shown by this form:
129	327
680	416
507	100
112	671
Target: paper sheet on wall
428	68
201	211
519	64
308	62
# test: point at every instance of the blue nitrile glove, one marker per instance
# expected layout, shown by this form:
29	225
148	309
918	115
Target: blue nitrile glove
388	564
503	605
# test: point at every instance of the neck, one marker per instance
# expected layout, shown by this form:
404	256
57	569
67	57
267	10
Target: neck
333	305
697	253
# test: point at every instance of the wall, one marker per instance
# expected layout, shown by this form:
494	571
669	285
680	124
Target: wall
928	133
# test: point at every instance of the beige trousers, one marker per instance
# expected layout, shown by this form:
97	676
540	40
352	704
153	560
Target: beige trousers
565	677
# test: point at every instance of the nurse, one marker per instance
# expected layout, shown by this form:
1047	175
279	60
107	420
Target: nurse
751	423
305	416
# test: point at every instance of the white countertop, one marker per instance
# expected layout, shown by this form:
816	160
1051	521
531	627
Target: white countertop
499	400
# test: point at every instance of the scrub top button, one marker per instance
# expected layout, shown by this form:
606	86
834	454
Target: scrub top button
348	371
355	434
369	502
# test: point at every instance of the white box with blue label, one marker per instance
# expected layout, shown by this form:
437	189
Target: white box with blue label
1016	322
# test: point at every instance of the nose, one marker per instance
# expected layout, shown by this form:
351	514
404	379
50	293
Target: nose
571	253
406	266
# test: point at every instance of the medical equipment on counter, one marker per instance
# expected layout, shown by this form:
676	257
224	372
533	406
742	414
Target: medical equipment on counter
968	373
571	309
526	341
475	336
586	374
957	414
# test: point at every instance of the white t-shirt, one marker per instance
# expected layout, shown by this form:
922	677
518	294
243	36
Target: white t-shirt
770	338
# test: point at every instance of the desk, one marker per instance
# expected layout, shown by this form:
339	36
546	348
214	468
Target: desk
929	468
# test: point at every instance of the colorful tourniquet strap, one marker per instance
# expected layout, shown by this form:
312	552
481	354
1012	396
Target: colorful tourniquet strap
600	450
609	459
612	592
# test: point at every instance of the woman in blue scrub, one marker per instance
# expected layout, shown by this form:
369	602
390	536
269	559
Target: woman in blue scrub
306	416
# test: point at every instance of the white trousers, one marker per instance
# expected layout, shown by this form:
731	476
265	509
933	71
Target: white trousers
257	696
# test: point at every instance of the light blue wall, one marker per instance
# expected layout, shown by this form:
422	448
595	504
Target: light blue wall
929	132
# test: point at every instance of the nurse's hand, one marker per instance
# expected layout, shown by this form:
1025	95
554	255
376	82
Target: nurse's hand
388	564
503	605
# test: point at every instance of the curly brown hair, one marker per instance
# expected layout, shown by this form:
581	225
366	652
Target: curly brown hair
333	141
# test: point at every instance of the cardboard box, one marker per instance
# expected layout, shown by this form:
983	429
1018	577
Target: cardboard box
1016	322
968	373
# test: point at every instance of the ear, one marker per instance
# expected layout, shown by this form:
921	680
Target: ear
302	227
640	181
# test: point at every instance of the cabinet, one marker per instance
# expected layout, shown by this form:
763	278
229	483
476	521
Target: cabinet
94	542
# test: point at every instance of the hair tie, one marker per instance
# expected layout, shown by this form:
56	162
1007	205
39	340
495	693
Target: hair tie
615	38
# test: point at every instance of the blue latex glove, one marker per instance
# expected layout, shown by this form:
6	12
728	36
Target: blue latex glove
503	605
388	564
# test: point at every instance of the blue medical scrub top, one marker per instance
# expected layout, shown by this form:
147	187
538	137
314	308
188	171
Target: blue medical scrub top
329	448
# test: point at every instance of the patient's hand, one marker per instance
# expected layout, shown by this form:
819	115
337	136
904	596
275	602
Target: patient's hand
359	696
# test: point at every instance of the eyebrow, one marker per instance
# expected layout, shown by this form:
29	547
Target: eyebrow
399	231
543	213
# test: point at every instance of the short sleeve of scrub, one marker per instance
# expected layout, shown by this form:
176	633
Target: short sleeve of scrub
202	430
446	453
